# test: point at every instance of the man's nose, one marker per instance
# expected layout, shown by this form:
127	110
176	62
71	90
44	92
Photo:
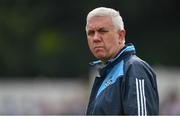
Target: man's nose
96	37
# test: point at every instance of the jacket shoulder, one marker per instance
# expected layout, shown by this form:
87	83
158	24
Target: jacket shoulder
136	67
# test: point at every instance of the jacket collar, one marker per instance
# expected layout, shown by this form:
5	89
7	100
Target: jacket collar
128	48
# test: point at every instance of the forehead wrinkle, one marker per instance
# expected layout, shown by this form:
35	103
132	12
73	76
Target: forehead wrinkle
94	21
96	28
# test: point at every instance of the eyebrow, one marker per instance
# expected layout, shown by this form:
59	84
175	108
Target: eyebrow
102	28
98	29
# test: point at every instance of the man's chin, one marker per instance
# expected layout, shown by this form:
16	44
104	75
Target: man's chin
100	56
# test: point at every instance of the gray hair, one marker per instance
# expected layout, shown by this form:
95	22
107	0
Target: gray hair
109	12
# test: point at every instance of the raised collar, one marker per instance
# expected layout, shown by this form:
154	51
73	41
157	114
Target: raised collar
128	48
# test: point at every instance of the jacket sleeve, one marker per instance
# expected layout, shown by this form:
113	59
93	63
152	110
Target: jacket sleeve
139	90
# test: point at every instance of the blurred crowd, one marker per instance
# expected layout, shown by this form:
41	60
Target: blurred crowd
70	97
171	104
43	98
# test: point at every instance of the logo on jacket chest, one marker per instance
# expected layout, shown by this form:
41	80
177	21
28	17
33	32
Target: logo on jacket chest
108	82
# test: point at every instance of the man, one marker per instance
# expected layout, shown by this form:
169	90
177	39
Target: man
127	85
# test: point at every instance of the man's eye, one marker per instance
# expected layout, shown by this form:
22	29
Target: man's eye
103	31
90	33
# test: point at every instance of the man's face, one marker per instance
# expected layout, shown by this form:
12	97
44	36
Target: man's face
103	40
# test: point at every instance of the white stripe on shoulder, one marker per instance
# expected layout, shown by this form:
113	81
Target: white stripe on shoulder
142	105
137	93
144	98
141	98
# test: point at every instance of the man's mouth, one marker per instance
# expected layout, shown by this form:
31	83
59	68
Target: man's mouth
97	47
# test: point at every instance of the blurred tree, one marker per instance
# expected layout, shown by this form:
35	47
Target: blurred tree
48	37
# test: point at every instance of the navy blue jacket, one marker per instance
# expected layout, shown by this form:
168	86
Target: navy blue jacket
127	85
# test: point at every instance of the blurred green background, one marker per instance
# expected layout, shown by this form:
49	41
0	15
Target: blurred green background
47	37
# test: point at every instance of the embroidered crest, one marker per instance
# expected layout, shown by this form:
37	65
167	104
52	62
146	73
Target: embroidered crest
108	83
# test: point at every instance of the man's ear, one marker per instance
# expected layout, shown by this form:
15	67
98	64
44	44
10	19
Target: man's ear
122	34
